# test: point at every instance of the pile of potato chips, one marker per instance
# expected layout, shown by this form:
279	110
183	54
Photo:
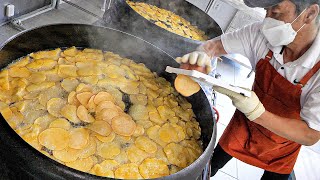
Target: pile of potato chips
99	113
168	20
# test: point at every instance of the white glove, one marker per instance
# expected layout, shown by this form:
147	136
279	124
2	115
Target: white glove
251	107
198	58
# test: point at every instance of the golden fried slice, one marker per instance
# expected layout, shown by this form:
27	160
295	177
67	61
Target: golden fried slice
67	71
105	105
127	171
156	118
53	92
12	116
19	72
103	96
21	63
79	138
39	87
107	114
37	78
177	154
101	127
41	64
54	138
44	121
55	105
89	150
53	54
84	115
71	51
139	131
66	155
84	98
136	155
72	99
166	112
146	144
186	86
108	138
69	84
108	150
91	105
60	123
153	168
139	112
153	133
93	80
70	113
83	88
82	164
171	133
98	170
139	99
123	125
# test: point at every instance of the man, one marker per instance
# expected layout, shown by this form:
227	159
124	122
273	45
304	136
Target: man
283	113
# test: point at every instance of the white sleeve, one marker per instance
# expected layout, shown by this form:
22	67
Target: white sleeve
310	111
248	41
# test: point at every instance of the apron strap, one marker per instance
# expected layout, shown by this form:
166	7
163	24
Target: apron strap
307	77
268	56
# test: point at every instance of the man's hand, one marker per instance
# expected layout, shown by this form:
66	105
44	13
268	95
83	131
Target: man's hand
250	106
195	59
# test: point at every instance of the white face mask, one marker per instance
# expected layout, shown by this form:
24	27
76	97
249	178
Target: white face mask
279	33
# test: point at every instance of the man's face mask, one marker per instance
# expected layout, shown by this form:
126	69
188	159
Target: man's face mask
279	33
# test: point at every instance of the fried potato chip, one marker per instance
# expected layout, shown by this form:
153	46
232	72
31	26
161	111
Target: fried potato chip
67	71
84	115
40	86
103	96
66	155
44	121
98	170
101	127
72	99
37	78
19	72
89	150
79	138
171	133
55	105
123	125
54	138
146	144
107	114
60	123
127	171
81	164
91	105
136	155
108	138
138	112
70	113
53	54
177	154
153	168
83	88
186	86
105	105
84	98
69	84
41	64
108	150
71	51
139	131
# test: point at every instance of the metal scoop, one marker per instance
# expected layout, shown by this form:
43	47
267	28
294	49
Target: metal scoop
208	80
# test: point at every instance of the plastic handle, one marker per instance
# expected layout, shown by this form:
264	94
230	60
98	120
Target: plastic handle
217	113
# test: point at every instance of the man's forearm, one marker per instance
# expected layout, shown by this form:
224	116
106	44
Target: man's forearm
292	129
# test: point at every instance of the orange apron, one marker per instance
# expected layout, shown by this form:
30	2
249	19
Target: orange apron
256	145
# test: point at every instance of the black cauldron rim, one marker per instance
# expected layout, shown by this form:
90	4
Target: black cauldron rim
77	172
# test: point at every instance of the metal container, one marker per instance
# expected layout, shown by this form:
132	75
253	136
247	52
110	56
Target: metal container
25	161
121	16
